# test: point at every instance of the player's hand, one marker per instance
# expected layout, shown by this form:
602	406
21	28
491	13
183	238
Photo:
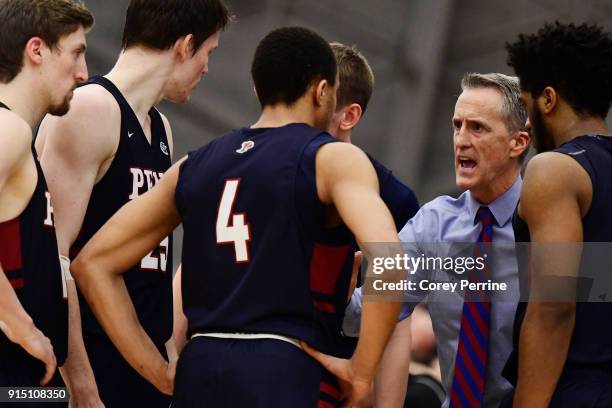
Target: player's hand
36	344
355	389
356	265
166	382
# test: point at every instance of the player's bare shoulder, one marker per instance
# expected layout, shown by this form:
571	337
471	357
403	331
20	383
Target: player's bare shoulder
93	123
18	174
15	140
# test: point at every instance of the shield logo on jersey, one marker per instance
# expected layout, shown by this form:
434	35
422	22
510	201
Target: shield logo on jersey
246	146
163	148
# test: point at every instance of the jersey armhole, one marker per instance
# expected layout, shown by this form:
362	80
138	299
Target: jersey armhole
584	161
305	180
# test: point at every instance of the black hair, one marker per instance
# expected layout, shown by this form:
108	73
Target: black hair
574	60
157	24
287	61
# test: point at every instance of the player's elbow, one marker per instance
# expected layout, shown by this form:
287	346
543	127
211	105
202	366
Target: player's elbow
82	267
552	314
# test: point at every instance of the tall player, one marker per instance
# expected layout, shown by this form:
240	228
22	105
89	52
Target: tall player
42	59
564	352
354	93
112	147
253	204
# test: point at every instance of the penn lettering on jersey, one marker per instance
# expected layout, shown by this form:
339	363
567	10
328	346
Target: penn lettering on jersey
143	180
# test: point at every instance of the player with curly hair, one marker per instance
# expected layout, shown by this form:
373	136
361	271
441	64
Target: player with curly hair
563	348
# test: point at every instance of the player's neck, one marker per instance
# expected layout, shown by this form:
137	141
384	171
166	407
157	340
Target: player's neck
280	115
23	97
141	75
575	126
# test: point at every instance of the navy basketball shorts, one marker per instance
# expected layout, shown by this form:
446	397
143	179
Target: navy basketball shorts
24	371
261	373
119	385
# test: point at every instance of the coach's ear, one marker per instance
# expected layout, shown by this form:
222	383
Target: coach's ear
351	116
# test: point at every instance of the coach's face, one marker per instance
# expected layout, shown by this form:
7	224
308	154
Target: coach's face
486	162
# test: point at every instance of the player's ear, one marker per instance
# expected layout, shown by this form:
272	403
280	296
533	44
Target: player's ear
184	47
321	90
548	100
352	114
34	50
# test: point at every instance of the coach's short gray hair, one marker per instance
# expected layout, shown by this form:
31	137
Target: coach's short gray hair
512	107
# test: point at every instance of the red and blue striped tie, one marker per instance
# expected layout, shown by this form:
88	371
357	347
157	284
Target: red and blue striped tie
472	352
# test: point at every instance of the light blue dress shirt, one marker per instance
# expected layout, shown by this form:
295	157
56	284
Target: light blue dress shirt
440	223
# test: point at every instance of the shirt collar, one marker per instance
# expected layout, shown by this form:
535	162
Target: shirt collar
503	207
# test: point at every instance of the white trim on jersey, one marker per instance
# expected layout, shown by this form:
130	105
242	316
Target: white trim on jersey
250	336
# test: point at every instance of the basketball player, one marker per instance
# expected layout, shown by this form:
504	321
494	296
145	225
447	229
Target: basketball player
354	93
42	54
112	147
564	352
255	204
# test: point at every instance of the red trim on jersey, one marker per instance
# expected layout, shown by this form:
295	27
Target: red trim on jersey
325	266
329	390
17	283
322	306
10	245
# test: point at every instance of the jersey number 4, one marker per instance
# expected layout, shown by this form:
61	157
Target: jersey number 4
238	232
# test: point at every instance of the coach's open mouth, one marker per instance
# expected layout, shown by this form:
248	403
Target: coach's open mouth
466	162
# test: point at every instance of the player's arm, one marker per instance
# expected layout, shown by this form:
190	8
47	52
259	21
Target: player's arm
392	378
556	193
179	330
123	241
76	146
15	322
347	180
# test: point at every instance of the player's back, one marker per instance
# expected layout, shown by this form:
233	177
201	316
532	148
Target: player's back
251	215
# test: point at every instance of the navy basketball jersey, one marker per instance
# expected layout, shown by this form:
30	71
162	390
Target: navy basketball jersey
399	198
135	169
403	205
591	343
253	223
30	260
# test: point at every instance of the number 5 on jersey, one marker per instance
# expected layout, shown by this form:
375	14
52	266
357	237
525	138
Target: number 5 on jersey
238	232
